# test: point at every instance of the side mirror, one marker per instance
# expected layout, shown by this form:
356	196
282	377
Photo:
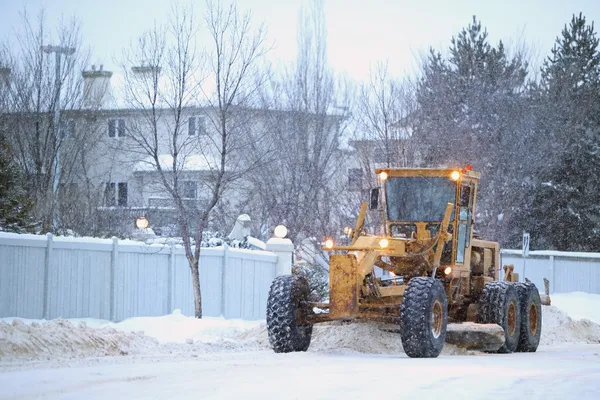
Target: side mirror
374	201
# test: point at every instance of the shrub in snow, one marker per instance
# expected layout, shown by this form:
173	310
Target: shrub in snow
215	239
318	280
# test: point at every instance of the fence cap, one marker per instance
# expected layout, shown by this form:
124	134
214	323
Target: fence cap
555	253
278	244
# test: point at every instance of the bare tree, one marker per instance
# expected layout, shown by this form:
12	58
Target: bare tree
49	155
383	114
311	107
173	81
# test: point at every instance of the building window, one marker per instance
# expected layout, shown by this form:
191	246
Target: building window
355	178
196	126
116	128
189	189
122	194
115	194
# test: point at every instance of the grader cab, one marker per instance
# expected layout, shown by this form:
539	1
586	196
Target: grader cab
425	271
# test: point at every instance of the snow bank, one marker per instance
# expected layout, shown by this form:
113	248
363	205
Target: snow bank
579	305
558	327
183	336
177	328
62	338
349	338
173	335
339	337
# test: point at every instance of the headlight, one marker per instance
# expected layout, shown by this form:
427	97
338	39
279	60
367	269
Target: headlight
383	176
455	175
448	270
383	243
329	244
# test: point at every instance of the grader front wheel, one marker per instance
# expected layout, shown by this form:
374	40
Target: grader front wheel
283	308
424	318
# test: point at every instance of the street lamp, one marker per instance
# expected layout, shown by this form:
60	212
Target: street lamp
141	222
58	51
280	231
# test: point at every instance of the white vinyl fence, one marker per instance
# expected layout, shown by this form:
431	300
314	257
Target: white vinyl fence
566	271
53	277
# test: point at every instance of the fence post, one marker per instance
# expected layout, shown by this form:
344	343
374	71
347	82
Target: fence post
47	261
113	267
223	282
284	249
171	278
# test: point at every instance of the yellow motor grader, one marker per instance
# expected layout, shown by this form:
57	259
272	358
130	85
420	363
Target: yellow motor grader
426	271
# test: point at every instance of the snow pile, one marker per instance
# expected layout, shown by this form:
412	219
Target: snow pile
371	338
170	334
178	328
558	327
579	305
350	338
64	339
356	337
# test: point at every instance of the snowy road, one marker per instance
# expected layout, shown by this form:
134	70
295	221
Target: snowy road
566	372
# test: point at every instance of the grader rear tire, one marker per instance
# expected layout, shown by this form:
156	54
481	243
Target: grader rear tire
424	318
283	307
531	317
499	304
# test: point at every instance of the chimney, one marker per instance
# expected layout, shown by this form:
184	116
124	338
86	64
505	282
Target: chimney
96	87
144	69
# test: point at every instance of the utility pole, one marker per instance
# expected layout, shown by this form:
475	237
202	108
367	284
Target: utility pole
58	51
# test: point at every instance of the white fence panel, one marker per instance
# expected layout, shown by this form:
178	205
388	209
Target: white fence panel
53	277
566	271
211	284
22	277
78	283
183	291
253	274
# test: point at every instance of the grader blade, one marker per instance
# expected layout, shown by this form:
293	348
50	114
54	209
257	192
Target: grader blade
472	336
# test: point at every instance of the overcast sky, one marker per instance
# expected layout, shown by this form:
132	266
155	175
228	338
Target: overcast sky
360	32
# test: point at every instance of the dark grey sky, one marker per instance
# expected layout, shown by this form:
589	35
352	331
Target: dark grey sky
360	32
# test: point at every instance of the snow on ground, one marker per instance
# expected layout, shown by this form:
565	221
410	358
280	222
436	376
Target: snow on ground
551	373
175	356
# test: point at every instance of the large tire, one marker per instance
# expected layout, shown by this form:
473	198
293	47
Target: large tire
283	307
424	318
499	304
531	317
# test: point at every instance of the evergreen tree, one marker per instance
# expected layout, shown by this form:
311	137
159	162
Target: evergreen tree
14	203
564	213
471	110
